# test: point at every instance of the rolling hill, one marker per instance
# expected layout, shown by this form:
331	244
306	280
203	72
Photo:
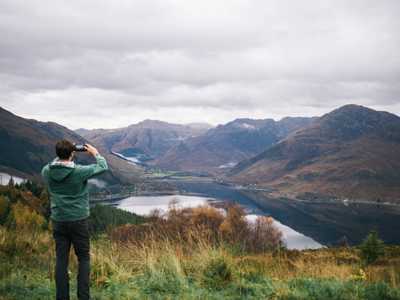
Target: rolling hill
26	145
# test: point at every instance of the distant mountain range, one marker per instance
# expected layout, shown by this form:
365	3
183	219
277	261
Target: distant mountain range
26	145
226	145
352	152
146	140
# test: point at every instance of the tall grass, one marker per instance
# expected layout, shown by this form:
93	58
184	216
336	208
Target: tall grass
189	257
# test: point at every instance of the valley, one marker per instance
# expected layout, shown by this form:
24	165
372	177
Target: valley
332	178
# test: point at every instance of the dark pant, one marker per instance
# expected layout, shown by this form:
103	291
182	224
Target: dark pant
77	234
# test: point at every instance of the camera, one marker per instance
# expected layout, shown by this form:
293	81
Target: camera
79	148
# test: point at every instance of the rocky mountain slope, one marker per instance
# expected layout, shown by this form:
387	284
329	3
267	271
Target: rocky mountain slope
352	152
222	147
146	140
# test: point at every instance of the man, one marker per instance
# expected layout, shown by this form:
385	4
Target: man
69	198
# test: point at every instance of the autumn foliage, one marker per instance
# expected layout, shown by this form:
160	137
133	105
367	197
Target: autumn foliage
204	224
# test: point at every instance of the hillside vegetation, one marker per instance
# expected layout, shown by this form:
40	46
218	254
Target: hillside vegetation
198	253
26	145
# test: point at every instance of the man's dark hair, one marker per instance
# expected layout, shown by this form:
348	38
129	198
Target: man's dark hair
64	148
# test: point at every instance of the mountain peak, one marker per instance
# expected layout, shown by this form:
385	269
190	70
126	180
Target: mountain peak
352	121
351	109
151	122
351	152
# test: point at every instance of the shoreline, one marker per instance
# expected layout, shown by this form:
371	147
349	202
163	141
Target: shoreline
256	192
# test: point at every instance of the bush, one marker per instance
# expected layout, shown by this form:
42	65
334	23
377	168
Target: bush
103	217
25	218
264	235
235	228
371	248
217	273
204	225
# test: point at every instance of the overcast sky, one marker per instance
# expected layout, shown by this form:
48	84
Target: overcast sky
97	63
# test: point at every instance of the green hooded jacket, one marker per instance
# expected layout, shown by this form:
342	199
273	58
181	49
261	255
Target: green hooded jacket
68	189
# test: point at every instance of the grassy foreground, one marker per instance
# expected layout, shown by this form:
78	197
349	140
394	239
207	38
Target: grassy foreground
168	270
188	254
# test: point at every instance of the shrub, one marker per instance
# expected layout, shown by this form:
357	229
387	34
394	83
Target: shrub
371	248
264	235
217	273
235	228
103	217
25	218
204	225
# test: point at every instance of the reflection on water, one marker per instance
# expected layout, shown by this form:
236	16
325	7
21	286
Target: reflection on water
325	222
144	205
292	238
309	224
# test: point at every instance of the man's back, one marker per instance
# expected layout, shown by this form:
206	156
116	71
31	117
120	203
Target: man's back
67	185
69	198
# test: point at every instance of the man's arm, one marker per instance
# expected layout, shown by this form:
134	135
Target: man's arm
100	166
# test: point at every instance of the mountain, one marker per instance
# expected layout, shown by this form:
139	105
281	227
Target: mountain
222	147
146	140
26	145
352	152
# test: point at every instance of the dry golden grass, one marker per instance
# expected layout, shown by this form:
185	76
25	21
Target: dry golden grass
121	261
166	261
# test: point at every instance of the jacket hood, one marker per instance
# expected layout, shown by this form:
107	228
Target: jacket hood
58	170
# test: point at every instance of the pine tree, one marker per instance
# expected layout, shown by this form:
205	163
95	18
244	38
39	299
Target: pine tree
372	248
11	182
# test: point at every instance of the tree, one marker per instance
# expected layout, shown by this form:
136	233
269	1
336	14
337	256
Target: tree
372	248
11	182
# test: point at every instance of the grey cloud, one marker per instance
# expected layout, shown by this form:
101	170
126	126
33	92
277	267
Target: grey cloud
147	59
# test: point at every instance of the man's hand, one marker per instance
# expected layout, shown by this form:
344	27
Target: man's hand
92	150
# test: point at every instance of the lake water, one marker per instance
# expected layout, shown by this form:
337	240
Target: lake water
305	225
5	178
328	223
144	205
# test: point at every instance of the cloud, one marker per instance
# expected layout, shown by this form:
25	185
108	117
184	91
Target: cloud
111	63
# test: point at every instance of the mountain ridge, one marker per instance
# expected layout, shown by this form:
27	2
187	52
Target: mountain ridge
227	144
148	138
26	145
351	152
